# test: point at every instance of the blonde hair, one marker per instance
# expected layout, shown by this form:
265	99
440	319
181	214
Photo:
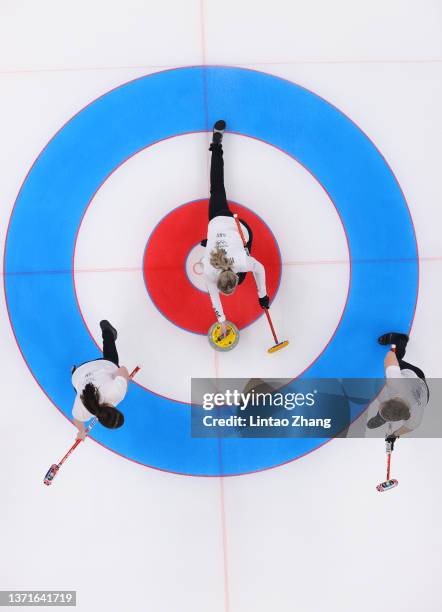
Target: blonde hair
394	410
227	280
219	259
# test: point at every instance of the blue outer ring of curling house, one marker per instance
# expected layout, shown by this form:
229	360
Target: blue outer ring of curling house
38	259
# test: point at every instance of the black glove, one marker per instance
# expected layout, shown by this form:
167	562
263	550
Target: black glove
391	440
264	301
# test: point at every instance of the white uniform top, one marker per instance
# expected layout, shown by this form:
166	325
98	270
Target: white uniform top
406	385
101	374
223	233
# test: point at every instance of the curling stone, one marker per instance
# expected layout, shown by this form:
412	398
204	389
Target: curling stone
228	342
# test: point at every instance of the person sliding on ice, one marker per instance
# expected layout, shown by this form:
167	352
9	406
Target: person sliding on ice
100	385
406	393
226	262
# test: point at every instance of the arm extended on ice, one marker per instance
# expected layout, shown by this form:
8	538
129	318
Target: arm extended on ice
217	307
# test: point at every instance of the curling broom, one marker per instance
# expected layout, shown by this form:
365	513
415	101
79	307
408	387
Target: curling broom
278	345
389	483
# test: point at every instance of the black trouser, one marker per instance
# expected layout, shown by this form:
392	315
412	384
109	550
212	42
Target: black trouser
109	350
109	347
218	205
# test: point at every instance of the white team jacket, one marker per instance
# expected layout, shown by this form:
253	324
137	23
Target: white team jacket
222	233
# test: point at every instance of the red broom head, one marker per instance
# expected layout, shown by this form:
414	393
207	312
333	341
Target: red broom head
387	485
50	474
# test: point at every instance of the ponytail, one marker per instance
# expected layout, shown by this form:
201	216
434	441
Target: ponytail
227	279
219	260
107	415
91	399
